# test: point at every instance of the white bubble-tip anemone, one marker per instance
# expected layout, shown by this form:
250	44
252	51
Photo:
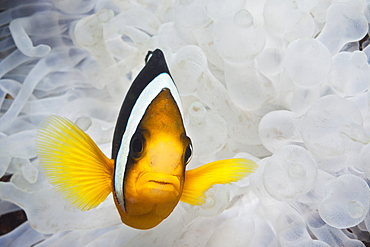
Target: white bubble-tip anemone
77	58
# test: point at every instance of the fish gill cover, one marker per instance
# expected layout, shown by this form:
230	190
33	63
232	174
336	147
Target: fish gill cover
284	83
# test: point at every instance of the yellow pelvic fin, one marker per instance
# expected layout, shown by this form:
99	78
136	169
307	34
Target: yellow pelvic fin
73	163
199	180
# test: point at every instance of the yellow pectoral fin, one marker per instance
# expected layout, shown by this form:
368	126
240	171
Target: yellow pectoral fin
199	180
73	163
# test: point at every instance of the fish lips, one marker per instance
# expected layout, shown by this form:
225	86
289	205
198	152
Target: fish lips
159	187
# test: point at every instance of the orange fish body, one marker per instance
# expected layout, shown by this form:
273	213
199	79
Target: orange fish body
150	150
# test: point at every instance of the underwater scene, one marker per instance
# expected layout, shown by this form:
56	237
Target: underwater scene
185	123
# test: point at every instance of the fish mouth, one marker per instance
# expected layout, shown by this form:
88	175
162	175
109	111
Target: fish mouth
158	182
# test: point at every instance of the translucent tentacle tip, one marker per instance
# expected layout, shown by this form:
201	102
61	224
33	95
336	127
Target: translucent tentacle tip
289	173
346	201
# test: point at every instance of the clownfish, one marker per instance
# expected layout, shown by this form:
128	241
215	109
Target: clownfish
150	150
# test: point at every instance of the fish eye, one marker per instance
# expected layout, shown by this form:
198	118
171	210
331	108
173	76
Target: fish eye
137	145
188	153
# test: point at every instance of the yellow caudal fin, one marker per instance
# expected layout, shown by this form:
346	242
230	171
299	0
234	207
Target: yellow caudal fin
73	163
199	180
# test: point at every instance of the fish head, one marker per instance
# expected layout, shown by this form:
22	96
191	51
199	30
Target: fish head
159	151
156	178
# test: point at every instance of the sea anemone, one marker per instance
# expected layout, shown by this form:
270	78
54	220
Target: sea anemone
284	83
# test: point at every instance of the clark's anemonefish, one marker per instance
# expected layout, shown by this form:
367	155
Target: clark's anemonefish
150	150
